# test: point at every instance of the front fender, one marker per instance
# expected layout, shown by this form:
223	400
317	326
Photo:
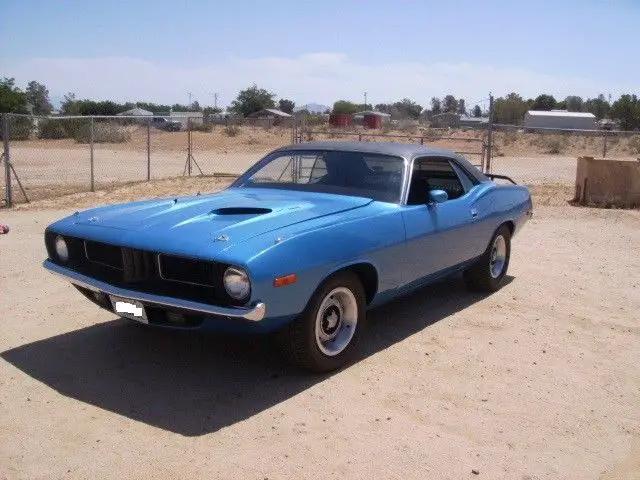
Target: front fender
316	253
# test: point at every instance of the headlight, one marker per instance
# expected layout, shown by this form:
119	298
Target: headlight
61	249
236	283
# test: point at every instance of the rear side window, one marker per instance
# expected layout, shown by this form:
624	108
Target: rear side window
467	182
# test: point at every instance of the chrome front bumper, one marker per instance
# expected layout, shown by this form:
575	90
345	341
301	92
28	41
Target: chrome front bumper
254	314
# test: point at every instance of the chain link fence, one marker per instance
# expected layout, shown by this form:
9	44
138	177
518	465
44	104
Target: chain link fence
47	157
546	156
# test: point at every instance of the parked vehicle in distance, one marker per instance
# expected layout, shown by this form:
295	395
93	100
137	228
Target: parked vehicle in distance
166	124
301	245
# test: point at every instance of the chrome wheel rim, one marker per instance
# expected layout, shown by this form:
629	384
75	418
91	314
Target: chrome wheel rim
498	256
336	321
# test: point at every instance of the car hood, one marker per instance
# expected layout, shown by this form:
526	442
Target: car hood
233	215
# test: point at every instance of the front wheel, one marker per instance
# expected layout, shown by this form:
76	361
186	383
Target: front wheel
487	274
326	334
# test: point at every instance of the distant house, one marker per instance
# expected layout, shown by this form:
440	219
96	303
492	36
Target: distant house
559	119
138	112
371	118
269	116
473	122
446	119
269	113
359	116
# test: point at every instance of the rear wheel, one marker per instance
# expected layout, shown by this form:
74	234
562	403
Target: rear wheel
326	334
488	273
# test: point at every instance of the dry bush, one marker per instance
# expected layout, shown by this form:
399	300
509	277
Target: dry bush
553	144
432	135
409	128
231	130
633	145
307	131
103	132
252	140
20	128
52	130
509	138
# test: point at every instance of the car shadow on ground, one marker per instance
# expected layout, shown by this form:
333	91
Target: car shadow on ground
194	384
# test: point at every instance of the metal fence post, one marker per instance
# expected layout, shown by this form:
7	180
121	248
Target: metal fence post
604	146
7	159
91	152
148	150
489	135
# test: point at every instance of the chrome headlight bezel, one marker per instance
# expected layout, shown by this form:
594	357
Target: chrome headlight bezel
237	283
61	248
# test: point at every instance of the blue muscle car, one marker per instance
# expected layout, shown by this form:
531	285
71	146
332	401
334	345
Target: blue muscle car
301	245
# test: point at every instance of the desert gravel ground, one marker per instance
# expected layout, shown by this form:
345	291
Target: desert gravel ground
537	381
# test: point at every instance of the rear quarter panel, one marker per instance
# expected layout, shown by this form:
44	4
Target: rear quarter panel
497	204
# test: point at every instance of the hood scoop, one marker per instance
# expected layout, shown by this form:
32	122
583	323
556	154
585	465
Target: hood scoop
240	211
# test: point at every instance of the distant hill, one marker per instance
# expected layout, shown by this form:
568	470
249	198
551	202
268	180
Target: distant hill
313	108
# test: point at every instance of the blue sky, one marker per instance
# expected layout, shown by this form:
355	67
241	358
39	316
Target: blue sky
313	51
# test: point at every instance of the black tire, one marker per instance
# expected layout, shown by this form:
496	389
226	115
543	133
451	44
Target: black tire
298	341
479	276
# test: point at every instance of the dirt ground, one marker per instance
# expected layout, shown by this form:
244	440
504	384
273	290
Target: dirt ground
537	381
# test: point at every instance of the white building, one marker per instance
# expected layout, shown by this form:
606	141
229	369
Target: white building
559	119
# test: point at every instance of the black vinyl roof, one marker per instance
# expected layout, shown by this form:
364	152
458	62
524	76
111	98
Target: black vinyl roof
405	150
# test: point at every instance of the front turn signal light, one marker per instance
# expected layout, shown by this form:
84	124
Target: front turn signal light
286	280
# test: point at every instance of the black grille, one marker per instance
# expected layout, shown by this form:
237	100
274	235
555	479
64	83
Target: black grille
107	255
144	271
186	270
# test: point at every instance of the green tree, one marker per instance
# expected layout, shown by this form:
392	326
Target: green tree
544	102
627	110
383	107
12	99
449	104
346	107
574	103
252	99
70	105
462	108
286	105
38	96
477	111
211	110
598	106
509	110
436	106
406	108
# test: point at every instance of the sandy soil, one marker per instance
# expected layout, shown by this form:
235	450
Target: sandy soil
537	381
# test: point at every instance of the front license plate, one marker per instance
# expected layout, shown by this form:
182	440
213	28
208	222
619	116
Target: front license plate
130	309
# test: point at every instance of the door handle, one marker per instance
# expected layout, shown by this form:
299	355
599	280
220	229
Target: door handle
474	212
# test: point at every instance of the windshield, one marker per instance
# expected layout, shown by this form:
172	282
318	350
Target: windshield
370	175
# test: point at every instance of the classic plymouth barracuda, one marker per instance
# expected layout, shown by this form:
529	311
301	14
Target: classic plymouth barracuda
301	245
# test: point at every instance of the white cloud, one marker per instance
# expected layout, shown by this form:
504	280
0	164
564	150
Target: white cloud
321	77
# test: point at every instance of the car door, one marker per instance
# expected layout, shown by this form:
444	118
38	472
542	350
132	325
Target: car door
438	235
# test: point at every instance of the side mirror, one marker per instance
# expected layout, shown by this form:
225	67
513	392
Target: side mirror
438	196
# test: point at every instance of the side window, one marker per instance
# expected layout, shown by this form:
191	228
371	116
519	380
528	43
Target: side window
467	182
313	168
433	173
292	169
